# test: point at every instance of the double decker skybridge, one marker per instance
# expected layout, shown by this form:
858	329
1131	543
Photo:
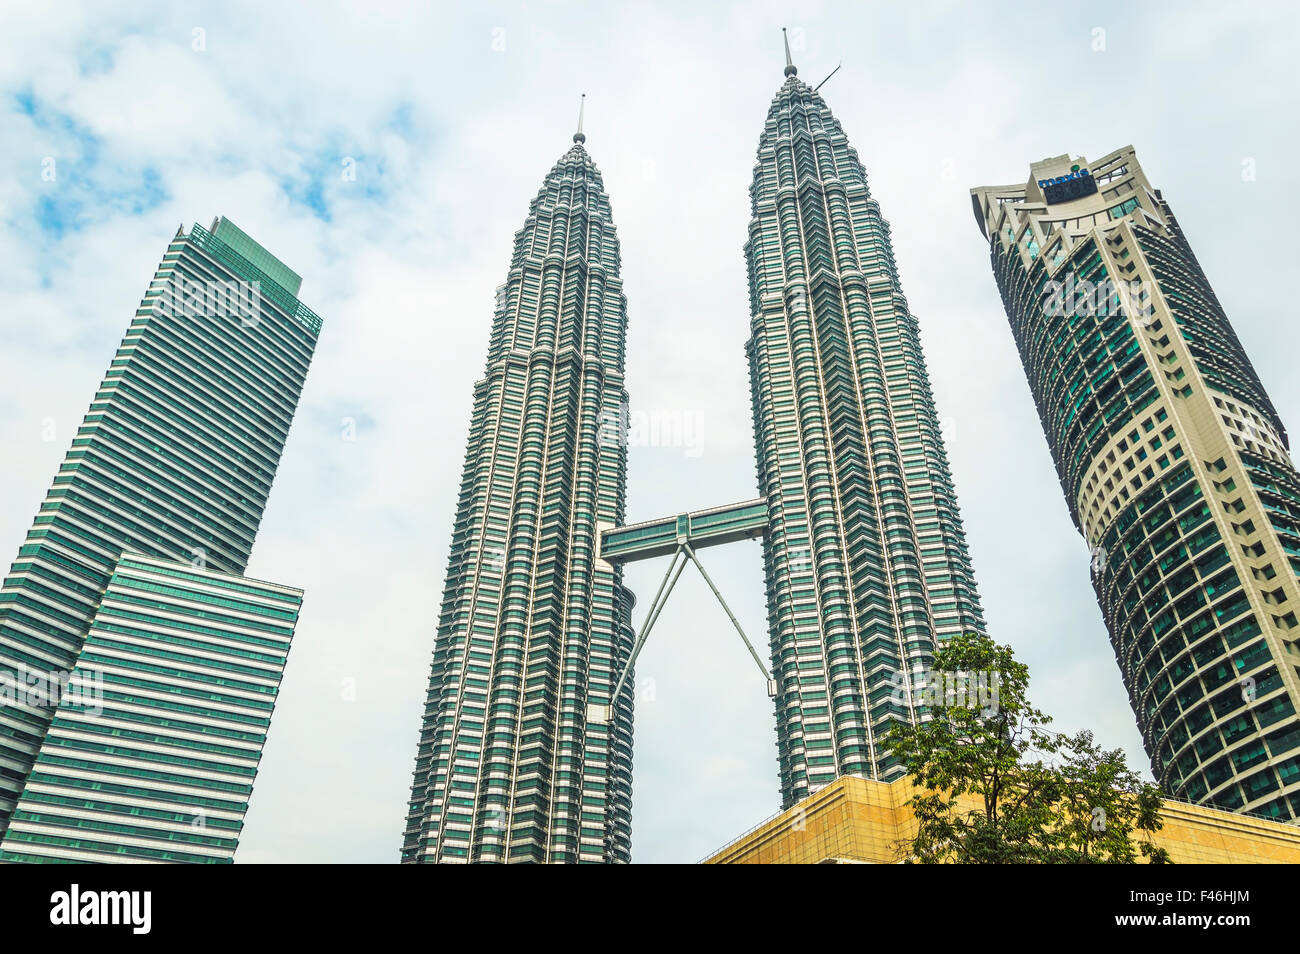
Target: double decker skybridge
681	536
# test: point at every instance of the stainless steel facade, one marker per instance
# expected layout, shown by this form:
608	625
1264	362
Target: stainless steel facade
534	626
866	561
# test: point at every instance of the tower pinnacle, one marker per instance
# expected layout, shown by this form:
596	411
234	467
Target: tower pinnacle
578	136
789	64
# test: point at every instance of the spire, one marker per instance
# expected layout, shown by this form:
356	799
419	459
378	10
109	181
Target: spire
789	64
578	136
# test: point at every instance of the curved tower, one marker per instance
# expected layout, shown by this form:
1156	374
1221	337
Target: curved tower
534	625
865	558
1175	468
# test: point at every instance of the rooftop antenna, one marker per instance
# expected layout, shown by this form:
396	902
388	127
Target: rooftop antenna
578	136
828	76
789	64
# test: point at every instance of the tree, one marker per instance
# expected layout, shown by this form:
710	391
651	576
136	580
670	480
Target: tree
996	786
1103	802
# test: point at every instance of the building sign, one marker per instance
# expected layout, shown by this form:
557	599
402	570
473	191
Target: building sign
1075	185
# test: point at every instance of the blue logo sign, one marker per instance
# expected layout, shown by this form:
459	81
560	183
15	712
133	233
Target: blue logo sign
1076	174
1074	185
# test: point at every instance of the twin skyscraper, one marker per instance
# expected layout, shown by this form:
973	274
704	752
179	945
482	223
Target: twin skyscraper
140	667
526	748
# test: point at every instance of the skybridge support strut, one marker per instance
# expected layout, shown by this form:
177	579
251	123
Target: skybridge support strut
675	535
771	683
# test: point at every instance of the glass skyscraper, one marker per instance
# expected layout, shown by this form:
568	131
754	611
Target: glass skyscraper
140	544
534	626
1175	468
865	558
152	754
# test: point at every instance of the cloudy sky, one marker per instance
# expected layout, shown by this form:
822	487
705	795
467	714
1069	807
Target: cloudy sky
172	114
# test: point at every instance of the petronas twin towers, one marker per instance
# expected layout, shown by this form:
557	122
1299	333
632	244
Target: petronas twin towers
526	748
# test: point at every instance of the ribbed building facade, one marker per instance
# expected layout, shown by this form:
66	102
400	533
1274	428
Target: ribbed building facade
534	626
866	562
173	462
1174	466
152	755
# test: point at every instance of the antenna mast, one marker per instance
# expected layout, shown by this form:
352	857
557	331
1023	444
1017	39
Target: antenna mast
582	105
828	76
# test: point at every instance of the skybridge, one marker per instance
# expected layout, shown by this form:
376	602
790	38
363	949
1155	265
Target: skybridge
680	536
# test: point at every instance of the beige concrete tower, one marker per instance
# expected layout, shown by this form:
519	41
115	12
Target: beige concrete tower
1175	467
